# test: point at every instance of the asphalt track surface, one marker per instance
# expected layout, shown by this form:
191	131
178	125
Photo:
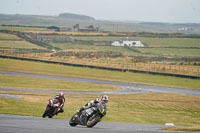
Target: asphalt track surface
29	124
127	88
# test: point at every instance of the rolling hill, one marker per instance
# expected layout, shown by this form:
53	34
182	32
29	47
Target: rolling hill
69	20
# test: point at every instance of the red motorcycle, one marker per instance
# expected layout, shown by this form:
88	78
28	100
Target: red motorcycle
52	108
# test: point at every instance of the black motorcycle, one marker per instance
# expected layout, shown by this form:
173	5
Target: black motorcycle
51	108
89	117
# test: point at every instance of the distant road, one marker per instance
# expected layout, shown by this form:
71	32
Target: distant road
127	88
29	124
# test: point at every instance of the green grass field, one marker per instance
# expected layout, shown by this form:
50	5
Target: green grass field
150	41
95	38
8	36
157	50
53	69
170	52
18	44
13	42
170	42
9	81
70	46
176	45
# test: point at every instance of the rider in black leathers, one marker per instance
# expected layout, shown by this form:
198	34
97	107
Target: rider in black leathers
93	103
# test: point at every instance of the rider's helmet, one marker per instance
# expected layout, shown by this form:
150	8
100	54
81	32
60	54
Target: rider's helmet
61	94
104	99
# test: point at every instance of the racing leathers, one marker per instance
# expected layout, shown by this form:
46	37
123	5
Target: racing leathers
92	103
61	100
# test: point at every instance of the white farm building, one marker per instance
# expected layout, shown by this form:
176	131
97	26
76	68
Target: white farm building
127	42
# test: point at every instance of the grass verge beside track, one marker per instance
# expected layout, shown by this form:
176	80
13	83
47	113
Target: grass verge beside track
150	108
9	81
54	69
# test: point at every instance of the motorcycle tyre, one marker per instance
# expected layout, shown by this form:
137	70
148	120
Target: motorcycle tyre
92	121
73	122
48	112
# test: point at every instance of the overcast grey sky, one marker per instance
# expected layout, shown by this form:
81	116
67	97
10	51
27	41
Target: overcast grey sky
180	11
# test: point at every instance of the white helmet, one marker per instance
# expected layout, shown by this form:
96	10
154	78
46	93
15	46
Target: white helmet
104	98
61	94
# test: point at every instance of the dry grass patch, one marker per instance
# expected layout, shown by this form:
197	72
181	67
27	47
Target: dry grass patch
185	129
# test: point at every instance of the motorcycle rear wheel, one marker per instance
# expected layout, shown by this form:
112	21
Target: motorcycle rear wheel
92	121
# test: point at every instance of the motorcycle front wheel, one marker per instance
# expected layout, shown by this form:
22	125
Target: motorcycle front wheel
46	112
72	121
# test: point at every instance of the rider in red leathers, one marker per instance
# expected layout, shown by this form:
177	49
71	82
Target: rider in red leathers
58	100
61	99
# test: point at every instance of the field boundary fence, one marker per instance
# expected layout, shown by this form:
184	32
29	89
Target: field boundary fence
102	67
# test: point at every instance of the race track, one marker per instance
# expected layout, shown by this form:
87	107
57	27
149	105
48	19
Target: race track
29	124
127	88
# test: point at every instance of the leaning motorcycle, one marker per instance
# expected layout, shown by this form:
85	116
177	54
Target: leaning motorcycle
51	108
89	117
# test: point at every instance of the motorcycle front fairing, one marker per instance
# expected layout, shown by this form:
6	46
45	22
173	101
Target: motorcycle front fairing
89	117
51	108
90	112
82	120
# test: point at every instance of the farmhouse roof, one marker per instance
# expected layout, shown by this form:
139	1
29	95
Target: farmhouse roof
126	39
